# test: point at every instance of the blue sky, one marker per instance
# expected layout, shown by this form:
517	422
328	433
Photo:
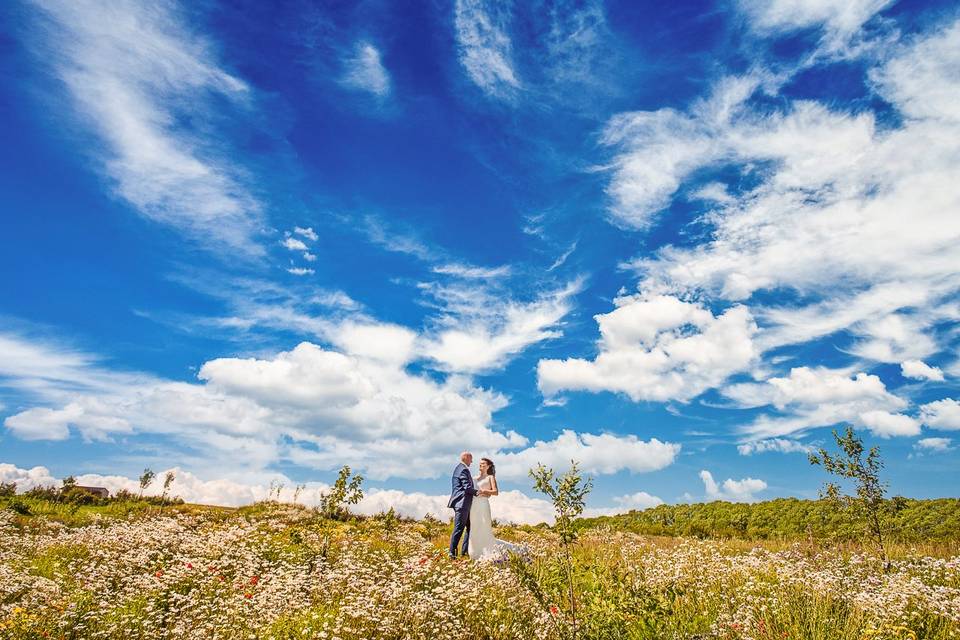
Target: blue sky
254	242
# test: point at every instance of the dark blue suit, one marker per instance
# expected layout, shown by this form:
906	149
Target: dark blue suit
461	497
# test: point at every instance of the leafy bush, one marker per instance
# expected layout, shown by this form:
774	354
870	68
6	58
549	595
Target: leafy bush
19	506
8	489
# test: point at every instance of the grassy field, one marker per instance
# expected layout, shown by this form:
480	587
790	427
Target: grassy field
126	570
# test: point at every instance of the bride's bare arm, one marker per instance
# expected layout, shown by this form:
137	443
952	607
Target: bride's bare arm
494	490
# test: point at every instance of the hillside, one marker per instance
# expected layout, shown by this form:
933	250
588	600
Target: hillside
786	518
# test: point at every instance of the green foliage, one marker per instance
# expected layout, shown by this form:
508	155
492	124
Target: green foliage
909	520
869	505
19	506
568	493
146	479
346	490
8	489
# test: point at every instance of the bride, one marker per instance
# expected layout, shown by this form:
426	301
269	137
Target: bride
483	546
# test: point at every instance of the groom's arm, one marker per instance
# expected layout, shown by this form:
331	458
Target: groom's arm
467	482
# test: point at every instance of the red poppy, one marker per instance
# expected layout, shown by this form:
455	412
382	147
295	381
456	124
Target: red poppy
423	560
248	595
254	579
189	566
554	611
158	573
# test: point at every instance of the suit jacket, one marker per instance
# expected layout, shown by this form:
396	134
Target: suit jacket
463	490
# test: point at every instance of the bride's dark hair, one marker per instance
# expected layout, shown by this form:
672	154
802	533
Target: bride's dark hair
491	470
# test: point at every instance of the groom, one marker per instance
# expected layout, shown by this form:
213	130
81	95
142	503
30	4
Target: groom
461	497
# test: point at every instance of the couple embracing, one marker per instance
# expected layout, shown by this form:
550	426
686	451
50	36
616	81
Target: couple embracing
470	501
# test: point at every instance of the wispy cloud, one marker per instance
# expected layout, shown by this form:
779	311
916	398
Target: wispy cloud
481	330
364	70
840	20
300	271
780	445
134	83
657	348
471	272
484	45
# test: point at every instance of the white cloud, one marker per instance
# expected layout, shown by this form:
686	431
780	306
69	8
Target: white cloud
314	407
658	348
132	84
364	71
27	479
469	272
509	506
41	423
306	232
744	490
300	271
562	258
482	330
920	370
294	244
626	503
377	341
659	148
826	217
938	445
309	257
840	19
885	424
596	453
781	445
484	46
893	338
941	414
817	397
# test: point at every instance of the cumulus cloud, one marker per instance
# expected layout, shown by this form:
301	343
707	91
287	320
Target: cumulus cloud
315	407
886	424
919	370
133	84
941	414
931	445
364	71
306	232
780	445
27	479
657	348
294	244
817	397
310	405
596	453
744	490
484	46
509	506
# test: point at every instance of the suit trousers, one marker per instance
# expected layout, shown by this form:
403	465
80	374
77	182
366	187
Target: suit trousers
461	527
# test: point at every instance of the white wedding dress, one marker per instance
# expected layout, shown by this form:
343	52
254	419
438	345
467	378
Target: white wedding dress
483	546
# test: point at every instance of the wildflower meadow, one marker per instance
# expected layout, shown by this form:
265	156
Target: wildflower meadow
283	571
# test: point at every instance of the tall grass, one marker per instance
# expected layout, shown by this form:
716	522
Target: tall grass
275	571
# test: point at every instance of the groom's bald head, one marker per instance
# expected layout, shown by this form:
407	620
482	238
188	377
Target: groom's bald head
466	458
